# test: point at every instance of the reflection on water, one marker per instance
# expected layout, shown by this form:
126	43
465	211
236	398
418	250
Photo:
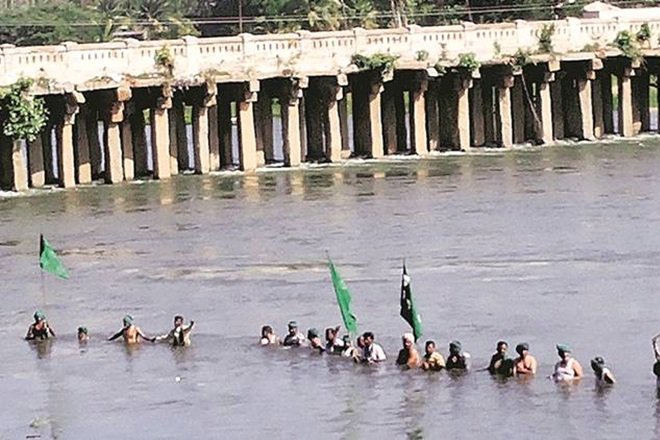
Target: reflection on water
541	245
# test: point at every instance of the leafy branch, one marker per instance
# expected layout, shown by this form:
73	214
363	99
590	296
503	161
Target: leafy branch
25	115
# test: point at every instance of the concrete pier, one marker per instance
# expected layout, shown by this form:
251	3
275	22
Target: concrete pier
99	126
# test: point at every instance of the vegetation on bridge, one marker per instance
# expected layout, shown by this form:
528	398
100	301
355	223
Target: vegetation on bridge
37	22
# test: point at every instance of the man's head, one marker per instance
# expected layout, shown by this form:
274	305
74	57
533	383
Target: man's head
312	333
178	321
408	340
293	327
564	351
430	347
522	349
347	340
360	341
82	333
597	364
39	316
368	338
502	347
128	321
266	331
455	348
330	334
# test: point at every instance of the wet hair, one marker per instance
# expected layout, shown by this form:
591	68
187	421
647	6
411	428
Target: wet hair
178	318
501	343
346	339
266	329
429	342
522	347
656	368
369	335
597	364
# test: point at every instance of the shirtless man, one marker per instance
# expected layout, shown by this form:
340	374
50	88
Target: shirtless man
408	355
179	336
83	335
525	363
39	330
131	333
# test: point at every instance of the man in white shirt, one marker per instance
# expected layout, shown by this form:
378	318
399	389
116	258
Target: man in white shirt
373	353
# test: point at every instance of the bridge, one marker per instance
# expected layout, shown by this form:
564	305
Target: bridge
119	110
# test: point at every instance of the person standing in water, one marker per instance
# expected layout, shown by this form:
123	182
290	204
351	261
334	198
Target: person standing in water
433	360
333	344
568	368
179	336
499	362
39	330
315	340
130	332
525	363
656	365
372	353
603	374
268	337
457	360
294	338
408	355
83	335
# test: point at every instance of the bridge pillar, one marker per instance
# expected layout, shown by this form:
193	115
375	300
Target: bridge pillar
597	105
126	138
504	111
179	156
35	151
333	93
64	137
205	98
139	140
418	138
626	128
475	95
81	144
214	138
246	135
640	90
367	124
160	134
225	131
518	103
556	95
290	113
14	170
432	118
314	117
343	124
545	128
93	143
607	101
114	166
463	85
391	92
263	125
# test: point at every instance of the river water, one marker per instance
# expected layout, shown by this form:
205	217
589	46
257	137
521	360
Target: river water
550	245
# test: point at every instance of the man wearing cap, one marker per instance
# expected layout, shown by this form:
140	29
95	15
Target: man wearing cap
525	363
131	333
39	330
408	355
567	368
179	336
315	340
294	338
457	360
372	352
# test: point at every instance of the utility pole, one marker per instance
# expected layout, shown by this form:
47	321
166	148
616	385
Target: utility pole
240	16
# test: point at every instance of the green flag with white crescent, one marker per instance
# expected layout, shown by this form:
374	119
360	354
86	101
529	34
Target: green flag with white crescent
343	300
408	310
49	261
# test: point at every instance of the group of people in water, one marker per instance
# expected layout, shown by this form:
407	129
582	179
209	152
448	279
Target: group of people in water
178	336
366	350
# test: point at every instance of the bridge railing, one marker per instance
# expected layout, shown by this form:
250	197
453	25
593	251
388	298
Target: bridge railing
302	53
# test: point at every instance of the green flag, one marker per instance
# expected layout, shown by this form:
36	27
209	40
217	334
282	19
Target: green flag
408	311
343	299
49	261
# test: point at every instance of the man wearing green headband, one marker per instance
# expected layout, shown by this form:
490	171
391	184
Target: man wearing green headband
179	336
130	332
567	369
40	330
